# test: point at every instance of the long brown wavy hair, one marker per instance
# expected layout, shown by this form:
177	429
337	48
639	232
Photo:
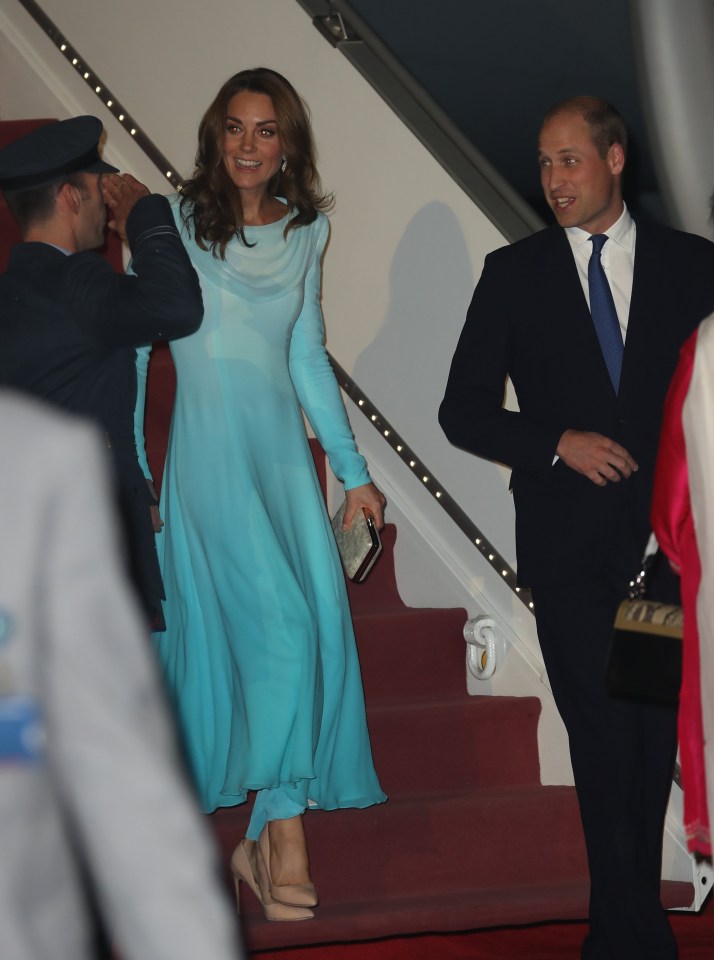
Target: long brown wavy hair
210	201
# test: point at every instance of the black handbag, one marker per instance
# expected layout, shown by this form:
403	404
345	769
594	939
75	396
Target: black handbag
645	661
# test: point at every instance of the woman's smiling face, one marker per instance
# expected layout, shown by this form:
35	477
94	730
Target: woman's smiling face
252	151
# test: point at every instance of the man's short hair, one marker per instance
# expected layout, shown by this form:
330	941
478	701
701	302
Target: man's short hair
37	204
605	123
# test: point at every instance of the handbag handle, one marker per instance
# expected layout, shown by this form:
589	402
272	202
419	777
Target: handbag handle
638	586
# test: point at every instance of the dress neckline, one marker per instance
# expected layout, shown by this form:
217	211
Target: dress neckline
262	226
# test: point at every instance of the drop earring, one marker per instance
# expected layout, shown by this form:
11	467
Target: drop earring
284	164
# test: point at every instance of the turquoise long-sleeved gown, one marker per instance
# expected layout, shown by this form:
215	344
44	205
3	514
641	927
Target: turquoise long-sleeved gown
259	650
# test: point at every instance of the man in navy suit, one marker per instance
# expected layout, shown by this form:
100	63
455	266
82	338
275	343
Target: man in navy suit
70	324
582	449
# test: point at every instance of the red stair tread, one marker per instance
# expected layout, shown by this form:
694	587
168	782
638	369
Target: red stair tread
445	913
412	653
450	879
490	740
493	907
409	847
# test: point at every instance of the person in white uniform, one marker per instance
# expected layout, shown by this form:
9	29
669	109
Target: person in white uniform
91	785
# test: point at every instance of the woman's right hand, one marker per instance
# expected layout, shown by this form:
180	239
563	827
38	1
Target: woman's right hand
368	497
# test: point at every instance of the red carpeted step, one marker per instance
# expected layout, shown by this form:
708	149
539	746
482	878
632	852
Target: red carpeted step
458	863
411	652
408	846
495	937
461	911
463	743
558	940
389	861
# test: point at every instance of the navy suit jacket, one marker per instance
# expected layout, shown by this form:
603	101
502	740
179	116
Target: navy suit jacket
69	326
529	320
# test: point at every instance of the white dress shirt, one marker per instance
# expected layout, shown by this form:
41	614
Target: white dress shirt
618	261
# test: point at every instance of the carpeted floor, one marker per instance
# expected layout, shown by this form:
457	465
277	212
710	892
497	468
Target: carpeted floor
551	941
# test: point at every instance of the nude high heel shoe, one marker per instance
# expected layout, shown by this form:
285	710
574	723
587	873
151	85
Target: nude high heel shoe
293	894
242	871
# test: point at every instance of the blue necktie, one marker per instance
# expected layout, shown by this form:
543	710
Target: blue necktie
602	310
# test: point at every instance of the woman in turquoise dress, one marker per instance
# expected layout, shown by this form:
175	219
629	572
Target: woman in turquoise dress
259	650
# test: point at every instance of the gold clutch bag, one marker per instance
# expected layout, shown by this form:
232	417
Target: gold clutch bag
359	546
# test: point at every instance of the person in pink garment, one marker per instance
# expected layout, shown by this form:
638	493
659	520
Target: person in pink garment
674	525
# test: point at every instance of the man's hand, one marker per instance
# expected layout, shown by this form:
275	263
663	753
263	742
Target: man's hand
120	192
369	497
598	458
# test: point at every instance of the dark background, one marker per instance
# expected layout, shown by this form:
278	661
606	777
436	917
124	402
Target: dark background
496	66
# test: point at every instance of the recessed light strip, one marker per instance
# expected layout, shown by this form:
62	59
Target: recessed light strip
100	89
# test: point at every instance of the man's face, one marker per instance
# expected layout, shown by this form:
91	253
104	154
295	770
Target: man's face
93	214
581	187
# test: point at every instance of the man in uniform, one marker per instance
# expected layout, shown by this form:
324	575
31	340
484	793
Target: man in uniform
587	318
69	324
91	785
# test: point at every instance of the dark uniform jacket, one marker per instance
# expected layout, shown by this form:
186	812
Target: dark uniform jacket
69	326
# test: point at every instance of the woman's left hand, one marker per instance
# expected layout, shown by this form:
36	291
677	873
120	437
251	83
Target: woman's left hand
369	497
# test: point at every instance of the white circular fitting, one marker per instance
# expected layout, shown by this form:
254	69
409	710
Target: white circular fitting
480	637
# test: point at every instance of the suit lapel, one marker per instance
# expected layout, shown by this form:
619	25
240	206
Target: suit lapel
644	301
